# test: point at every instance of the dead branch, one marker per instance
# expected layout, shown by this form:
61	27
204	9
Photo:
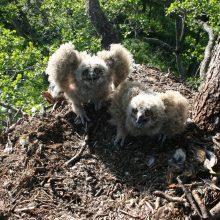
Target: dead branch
169	197
157	202
129	214
79	154
201	205
215	211
25	209
161	43
208	50
188	196
216	140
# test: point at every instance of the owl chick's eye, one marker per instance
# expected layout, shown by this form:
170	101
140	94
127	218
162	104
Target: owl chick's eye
147	113
85	72
134	111
98	71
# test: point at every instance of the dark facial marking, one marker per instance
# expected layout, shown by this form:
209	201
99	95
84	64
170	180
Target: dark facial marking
98	71
85	73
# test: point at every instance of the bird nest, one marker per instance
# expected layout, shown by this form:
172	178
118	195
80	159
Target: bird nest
54	169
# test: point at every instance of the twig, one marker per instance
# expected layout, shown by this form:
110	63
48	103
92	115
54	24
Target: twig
25	209
157	202
78	155
201	205
210	184
168	197
13	126
129	214
188	196
215	211
149	206
215	141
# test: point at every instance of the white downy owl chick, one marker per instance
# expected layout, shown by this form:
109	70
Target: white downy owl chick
85	78
136	111
176	112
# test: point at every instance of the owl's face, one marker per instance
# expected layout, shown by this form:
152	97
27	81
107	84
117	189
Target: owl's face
92	71
145	110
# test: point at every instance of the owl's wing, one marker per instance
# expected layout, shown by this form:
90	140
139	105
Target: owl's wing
119	60
176	109
62	64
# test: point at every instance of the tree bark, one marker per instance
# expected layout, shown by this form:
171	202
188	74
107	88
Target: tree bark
101	23
206	112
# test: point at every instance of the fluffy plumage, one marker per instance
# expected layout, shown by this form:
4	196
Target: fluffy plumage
138	111
83	77
176	111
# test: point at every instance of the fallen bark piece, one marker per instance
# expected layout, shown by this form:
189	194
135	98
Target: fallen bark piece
169	197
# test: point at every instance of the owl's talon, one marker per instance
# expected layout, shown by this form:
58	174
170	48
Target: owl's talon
98	105
81	119
161	139
119	140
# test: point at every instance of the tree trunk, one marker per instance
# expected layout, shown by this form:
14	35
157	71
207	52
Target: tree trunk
206	112
180	33
101	23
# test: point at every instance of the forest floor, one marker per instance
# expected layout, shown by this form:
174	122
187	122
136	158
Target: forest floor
52	169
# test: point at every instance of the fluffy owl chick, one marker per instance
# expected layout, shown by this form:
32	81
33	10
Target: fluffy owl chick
83	77
136	111
80	76
176	110
119	60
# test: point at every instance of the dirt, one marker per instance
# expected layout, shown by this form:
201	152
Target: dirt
38	180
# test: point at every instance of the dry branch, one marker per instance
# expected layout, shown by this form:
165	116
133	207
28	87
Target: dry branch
78	155
169	197
129	214
215	211
208	49
188	196
201	205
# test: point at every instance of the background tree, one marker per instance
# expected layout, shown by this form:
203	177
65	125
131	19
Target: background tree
206	112
101	23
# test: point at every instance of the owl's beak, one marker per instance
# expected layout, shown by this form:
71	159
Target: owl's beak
93	76
141	119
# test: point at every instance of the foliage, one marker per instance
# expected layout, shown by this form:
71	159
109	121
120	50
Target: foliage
193	82
198	9
21	80
196	38
146	54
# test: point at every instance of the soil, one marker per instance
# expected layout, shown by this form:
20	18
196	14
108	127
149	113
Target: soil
53	169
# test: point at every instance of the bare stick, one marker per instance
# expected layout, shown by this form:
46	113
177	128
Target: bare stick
168	197
126	213
215	141
215	211
78	155
25	209
188	196
157	202
201	205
